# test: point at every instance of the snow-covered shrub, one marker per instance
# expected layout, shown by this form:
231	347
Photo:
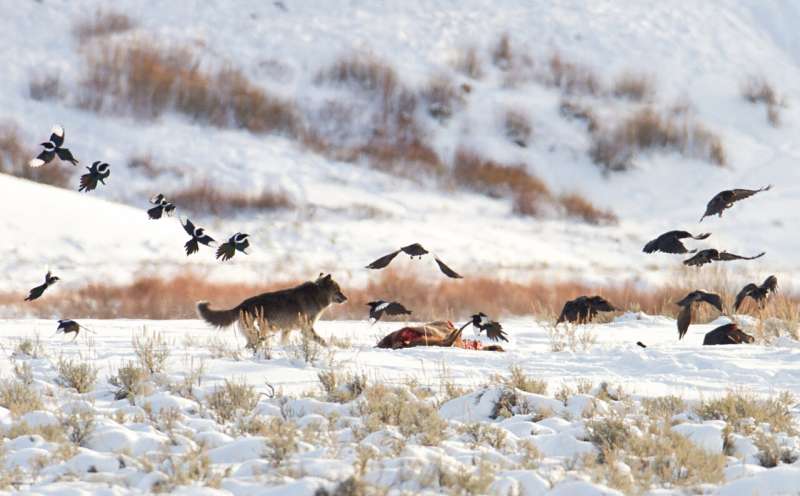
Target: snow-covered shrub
634	87
232	400
743	411
517	379
517	127
571	77
152	351
442	97
469	63
756	89
128	380
76	374
341	387
19	398
383	405
103	23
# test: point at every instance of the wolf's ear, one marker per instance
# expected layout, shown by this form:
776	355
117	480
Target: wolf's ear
327	278
319	277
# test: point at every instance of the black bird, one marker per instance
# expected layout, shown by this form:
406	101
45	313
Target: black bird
686	304
199	237
67	326
727	334
54	148
757	293
162	206
481	322
640	344
36	292
379	307
99	171
670	242
228	249
413	250
711	255
583	309
725	199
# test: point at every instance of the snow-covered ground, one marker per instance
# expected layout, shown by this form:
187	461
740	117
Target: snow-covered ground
348	213
138	433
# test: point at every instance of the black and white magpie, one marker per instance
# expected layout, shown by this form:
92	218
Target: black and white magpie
36	292
54	148
413	250
162	206
99	171
481	322
228	249
67	326
378	308
199	237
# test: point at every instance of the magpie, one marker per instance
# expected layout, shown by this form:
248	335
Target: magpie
379	307
199	237
162	206
228	249
99	171
36	292
54	148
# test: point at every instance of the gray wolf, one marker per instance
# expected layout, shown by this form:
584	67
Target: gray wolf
284	310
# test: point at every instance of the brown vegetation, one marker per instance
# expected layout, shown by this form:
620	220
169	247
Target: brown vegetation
442	98
759	90
634	87
146	80
571	77
578	207
14	158
645	130
207	199
104	23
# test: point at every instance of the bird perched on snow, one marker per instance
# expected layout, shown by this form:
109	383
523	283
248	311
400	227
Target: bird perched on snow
99	171
759	294
199	237
725	199
670	242
378	308
36	292
481	322
687	303
711	255
237	242
640	344
54	148
583	309
413	250
162	206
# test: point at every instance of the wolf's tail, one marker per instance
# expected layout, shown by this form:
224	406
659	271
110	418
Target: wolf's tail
217	318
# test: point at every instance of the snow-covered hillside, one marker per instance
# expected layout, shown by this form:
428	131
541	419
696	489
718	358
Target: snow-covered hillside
349	213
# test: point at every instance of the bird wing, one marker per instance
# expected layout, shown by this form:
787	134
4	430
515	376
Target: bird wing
57	135
244	245
226	251
732	256
744	293
155	212
395	308
711	298
715	206
565	314
683	320
697	260
65	155
700	236
447	270
672	245
494	331
770	284
191	246
205	239
156	199
88	182
741	194
189	227
43	158
384	260
36	292
169	208
651	246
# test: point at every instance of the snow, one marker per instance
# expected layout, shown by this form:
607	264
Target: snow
708	435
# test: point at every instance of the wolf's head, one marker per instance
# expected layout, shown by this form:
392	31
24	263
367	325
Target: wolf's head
330	288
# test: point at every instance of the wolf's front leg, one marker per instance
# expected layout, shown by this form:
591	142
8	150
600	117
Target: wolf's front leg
310	332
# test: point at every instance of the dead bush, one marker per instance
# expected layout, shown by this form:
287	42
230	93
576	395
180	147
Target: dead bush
281	440
146	80
529	194
14	158
152	351
442	98
517	128
128	380
572	78
469	63
19	398
45	87
76	374
578	207
502	54
757	90
103	23
519	380
646	130
232	400
341	387
743	411
574	111
634	87
382	405
207	198
771	453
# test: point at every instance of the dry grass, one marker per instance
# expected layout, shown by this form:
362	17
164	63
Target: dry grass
232	400
341	387
14	157
129	380
571	77
19	398
206	198
529	194
743	411
469	63
442	97
517	379
758	90
144	79
152	297
574	111
634	87
517	127
152	351
578	207
383	405
502	53
646	130
104	23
